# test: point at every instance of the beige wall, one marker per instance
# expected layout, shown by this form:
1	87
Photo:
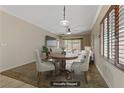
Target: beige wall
18	41
112	75
0	39
85	39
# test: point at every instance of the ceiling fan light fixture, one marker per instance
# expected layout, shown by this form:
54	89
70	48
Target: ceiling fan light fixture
64	23
68	33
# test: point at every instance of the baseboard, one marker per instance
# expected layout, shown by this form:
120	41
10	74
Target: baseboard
106	80
16	66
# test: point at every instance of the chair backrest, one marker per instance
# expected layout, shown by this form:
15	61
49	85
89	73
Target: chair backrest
83	52
38	55
82	56
87	60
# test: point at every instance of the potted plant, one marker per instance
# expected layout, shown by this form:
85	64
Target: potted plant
45	50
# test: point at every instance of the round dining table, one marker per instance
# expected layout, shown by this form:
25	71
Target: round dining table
61	58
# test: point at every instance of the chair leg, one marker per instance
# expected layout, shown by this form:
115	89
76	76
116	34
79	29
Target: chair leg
85	76
38	78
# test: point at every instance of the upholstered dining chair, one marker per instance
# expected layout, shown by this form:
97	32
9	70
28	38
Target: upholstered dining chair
42	66
79	67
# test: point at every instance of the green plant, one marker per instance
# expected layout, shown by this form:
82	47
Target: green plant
45	49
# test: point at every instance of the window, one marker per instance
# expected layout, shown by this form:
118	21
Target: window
105	40
112	36
121	35
72	44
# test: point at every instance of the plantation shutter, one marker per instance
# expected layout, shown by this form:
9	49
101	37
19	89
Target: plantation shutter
112	35
121	34
105	38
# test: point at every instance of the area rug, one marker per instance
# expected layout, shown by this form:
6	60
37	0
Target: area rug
27	73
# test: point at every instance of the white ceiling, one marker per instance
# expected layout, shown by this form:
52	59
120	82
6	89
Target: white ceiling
81	17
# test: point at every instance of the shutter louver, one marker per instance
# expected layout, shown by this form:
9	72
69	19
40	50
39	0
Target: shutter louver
112	35
121	34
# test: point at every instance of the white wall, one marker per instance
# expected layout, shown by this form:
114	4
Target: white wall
113	76
18	40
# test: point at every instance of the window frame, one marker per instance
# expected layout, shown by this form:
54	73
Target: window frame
116	26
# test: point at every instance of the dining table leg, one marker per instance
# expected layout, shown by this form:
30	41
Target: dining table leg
63	69
63	64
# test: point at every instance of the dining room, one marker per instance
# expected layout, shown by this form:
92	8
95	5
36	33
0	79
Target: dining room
61	46
70	65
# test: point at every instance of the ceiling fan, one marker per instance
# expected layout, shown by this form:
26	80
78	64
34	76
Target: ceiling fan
66	24
68	31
